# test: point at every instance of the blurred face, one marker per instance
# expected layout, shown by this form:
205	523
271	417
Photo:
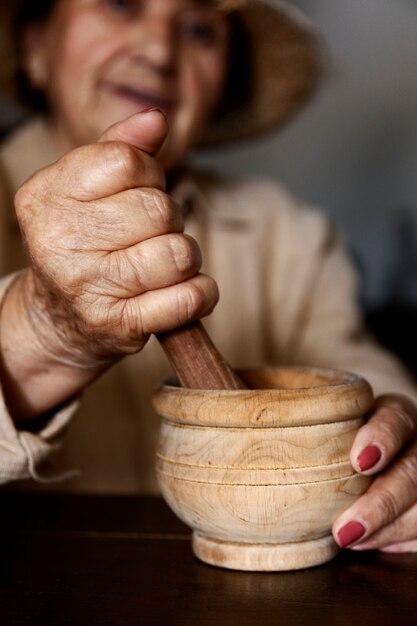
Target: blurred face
100	61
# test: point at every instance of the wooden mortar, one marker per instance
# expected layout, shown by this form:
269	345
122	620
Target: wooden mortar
260	474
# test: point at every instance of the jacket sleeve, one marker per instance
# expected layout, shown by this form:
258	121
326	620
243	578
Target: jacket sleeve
24	453
330	329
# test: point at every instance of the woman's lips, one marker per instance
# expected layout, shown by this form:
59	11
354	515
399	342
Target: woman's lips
142	99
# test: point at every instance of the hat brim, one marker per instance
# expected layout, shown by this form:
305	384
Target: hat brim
286	56
285	66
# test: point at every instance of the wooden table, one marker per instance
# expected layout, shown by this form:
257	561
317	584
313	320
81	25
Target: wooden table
124	561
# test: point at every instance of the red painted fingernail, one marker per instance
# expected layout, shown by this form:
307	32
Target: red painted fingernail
369	457
350	533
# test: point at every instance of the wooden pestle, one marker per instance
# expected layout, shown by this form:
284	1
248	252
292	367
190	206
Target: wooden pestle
195	359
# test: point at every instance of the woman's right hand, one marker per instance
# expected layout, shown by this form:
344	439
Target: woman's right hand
110	263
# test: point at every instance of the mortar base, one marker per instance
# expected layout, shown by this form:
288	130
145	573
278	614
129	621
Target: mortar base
264	557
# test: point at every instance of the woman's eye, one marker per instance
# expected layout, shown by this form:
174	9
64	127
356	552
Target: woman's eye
200	31
123	7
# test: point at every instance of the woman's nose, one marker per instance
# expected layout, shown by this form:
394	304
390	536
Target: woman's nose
156	45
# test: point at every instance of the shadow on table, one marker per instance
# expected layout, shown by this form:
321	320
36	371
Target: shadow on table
354	589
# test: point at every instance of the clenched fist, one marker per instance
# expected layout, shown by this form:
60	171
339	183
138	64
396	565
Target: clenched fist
110	263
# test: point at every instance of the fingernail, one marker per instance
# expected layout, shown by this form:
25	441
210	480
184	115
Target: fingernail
369	457
150	109
350	533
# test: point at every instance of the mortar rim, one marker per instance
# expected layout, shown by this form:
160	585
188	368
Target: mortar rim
338	395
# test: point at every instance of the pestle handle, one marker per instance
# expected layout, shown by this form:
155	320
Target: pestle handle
195	359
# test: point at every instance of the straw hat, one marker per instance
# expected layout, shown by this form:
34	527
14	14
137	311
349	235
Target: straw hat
284	55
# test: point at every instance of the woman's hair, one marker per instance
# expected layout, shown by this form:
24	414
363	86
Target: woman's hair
237	85
30	11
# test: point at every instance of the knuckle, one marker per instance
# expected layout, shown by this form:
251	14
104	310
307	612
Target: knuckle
135	166
403	419
185	253
392	433
407	419
387	504
121	158
131	324
400	410
191	302
409	467
392	426
213	291
41	209
156	204
162	210
25	201
130	269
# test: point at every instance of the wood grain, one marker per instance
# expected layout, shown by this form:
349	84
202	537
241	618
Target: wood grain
262	494
195	359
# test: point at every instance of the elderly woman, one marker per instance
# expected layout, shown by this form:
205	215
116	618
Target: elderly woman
124	89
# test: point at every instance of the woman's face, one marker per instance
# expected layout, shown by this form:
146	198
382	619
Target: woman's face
103	60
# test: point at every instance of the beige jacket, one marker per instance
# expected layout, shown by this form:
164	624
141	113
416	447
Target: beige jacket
287	296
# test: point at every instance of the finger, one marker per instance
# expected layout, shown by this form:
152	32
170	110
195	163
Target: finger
392	424
153	264
128	218
402	529
390	495
86	174
101	170
400	548
171	307
146	131
121	160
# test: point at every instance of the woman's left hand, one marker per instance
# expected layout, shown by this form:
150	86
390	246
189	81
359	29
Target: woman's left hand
385	517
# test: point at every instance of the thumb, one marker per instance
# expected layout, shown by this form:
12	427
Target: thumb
146	131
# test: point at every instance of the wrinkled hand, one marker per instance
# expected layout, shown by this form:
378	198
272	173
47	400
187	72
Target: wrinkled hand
110	262
385	517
